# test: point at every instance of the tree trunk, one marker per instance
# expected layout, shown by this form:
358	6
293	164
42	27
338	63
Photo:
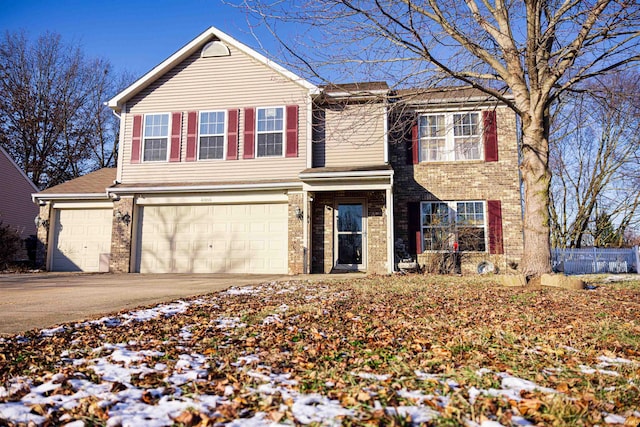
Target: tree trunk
537	179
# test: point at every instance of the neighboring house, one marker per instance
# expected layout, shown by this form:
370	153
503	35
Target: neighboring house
16	207
231	163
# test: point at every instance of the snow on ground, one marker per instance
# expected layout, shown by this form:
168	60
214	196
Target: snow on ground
117	363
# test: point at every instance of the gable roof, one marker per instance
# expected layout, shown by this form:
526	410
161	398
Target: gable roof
211	33
91	185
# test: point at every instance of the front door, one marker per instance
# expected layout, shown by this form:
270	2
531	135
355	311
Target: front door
350	236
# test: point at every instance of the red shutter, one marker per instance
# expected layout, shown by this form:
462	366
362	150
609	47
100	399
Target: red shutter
415	144
494	209
136	141
490	136
232	135
292	131
176	131
192	135
413	225
249	132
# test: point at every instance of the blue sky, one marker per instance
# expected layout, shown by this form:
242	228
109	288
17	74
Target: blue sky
133	35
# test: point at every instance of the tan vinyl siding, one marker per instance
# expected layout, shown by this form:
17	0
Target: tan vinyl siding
220	83
16	207
352	135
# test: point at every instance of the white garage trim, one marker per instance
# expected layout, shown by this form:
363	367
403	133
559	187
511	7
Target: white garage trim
107	204
212	238
81	239
219	198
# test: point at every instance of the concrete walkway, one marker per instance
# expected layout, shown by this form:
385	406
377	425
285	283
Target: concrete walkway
41	300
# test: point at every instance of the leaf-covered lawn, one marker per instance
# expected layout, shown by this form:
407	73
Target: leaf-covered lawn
376	351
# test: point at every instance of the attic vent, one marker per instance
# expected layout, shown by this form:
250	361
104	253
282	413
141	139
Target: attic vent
214	49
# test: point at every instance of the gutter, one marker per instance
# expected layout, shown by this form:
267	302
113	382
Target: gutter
60	196
204	188
346	175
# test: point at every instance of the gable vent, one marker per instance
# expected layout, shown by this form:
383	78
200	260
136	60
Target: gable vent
214	49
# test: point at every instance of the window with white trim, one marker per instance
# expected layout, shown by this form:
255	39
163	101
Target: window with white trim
212	135
443	223
270	131
155	137
450	137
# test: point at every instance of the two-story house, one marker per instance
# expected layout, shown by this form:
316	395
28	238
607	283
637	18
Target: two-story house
229	162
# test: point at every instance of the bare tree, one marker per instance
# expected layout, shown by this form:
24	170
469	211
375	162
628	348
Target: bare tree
525	53
53	121
595	161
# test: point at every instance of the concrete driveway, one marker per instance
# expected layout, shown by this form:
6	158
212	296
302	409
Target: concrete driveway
41	300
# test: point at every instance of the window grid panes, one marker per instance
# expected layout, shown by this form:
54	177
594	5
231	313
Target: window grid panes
156	137
270	130
449	137
432	135
466	133
444	223
212	130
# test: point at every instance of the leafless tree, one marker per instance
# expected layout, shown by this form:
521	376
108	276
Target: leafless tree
525	53
52	118
595	160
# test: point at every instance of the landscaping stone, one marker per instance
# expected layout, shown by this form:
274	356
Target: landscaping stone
561	281
513	280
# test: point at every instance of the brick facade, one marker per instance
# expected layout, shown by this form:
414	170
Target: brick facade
323	229
43	235
121	236
459	181
296	251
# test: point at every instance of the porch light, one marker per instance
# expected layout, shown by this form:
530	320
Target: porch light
299	213
41	222
123	218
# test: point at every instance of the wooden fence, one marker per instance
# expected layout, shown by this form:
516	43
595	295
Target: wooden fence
595	260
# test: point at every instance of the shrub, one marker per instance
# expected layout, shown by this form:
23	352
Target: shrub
10	244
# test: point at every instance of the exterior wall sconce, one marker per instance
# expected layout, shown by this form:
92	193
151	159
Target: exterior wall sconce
123	218
41	222
299	213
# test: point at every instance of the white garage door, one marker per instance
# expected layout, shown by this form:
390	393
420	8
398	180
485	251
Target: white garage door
80	237
242	238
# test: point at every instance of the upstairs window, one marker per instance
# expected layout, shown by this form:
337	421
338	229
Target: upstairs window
450	137
212	132
155	137
270	131
444	223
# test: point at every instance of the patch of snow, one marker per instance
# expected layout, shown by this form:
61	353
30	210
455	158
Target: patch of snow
229	323
418	414
608	361
315	408
16	412
51	332
368	376
614	419
482	371
589	371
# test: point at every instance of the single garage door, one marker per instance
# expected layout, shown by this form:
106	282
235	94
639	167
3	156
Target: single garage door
232	238
80	237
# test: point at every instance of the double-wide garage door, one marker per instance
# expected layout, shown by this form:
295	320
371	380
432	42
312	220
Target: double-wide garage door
81	240
231	238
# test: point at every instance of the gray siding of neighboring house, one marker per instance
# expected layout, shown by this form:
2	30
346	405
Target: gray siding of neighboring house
16	207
